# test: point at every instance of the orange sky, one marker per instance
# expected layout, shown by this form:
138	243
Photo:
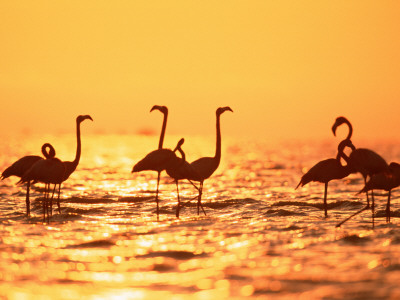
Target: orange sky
287	68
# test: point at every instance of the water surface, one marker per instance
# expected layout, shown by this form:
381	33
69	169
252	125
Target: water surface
261	238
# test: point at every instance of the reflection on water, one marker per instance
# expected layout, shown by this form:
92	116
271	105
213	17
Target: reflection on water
260	238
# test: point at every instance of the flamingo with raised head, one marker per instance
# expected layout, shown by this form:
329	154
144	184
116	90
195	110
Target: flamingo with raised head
329	169
23	164
361	160
157	160
204	167
70	166
364	161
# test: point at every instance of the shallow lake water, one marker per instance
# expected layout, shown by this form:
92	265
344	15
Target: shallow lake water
261	238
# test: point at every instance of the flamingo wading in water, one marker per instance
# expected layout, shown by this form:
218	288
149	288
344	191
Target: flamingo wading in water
48	171
180	169
387	181
364	161
328	169
70	166
23	164
204	167
157	160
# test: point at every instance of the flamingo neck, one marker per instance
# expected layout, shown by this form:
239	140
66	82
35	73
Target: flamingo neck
164	126
217	156
78	145
350	134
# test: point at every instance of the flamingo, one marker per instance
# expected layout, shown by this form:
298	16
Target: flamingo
70	166
48	171
387	181
364	161
204	167
328	169
157	160
180	169
23	164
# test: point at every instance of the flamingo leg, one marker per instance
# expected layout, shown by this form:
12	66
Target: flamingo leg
58	199
365	183
199	200
388	208
179	200
325	203
28	205
348	218
158	183
373	209
51	201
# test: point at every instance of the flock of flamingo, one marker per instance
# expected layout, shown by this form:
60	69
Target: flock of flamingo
377	174
49	170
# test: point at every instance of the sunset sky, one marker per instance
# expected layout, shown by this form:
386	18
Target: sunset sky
286	68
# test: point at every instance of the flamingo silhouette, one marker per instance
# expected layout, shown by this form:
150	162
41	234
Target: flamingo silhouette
364	161
157	160
70	166
179	169
23	164
204	167
387	181
48	171
328	169
361	160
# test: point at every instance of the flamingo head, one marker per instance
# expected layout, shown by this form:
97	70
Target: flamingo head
51	153
180	143
339	121
161	108
221	110
82	118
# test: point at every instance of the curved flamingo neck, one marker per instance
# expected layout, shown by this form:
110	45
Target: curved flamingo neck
349	135
164	126
217	156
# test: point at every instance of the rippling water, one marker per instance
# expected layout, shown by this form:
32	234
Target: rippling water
260	238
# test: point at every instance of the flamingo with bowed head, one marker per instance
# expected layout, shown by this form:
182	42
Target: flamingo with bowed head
157	160
70	166
328	169
364	161
387	181
204	167
48	171
23	164
179	169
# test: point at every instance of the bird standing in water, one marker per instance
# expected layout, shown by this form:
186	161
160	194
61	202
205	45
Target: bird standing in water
328	169
23	164
157	160
204	167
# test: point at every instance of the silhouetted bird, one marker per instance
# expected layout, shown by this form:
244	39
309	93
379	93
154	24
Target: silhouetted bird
23	164
206	166
70	166
328	169
179	169
47	171
387	181
157	160
364	161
